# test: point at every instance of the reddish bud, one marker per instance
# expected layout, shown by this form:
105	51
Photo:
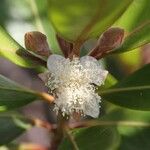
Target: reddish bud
65	46
111	39
37	42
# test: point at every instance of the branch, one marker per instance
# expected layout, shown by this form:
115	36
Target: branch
45	96
44	124
59	133
71	138
109	123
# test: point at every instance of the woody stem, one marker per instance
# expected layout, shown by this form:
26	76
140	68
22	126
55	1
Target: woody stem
59	133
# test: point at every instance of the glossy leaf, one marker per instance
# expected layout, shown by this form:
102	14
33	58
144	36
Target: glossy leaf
79	20
97	137
132	137
136	141
10	49
127	115
11	126
110	81
13	95
133	92
130	64
136	22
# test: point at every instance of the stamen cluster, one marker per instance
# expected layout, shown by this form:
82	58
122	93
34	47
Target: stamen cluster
73	83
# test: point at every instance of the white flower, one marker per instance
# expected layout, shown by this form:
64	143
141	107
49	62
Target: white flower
72	82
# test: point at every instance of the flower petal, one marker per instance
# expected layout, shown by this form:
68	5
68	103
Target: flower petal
55	63
104	74
92	109
94	70
87	61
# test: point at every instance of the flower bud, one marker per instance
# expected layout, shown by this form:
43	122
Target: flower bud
65	46
37	42
111	39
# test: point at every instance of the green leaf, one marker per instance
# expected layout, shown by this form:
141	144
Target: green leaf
136	22
133	92
78	20
97	137
12	95
11	126
110	81
126	115
132	137
131	64
136	141
39	9
9	49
